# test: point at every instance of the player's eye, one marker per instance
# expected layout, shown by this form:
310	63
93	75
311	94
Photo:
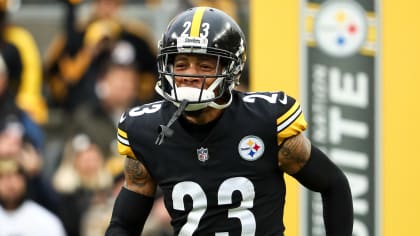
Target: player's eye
207	67
180	65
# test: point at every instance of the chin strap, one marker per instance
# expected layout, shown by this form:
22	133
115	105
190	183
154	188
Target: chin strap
165	130
198	106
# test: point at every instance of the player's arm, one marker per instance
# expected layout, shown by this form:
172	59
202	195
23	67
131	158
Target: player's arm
134	201
312	168
138	179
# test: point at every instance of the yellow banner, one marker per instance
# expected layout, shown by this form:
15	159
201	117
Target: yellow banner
274	58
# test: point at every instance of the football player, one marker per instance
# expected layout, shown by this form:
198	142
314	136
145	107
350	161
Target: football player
218	155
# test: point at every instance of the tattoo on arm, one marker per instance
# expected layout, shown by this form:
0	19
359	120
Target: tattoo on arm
138	178
294	153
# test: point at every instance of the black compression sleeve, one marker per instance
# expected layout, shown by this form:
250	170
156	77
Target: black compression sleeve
320	174
129	214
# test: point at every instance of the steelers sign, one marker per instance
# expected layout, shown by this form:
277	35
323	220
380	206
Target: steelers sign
251	148
340	28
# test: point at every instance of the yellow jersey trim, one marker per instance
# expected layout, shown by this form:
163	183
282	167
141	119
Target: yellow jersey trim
290	123
287	115
123	145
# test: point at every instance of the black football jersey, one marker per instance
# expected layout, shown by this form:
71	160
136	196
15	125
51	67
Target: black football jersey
227	183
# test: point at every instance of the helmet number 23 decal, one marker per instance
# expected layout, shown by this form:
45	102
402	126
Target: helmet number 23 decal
271	98
224	197
204	29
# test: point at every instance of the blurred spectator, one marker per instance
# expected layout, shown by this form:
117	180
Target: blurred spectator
19	136
13	145
97	217
80	180
228	6
115	90
11	115
18	214
158	222
24	66
75	58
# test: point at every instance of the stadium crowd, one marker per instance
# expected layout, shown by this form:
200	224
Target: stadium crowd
59	108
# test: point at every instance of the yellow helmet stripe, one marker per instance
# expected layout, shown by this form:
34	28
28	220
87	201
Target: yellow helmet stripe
196	22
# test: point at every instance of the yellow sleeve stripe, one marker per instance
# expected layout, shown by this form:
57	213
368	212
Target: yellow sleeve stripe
283	125
295	128
289	113
196	22
291	123
125	150
122	133
123	140
124	145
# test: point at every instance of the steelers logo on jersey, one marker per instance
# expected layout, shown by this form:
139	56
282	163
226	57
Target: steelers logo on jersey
251	148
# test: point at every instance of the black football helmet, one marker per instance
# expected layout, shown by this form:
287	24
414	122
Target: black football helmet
202	30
